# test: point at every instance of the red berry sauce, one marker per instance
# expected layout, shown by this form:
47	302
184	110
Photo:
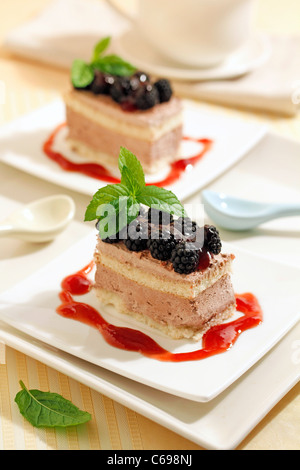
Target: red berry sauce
216	340
99	172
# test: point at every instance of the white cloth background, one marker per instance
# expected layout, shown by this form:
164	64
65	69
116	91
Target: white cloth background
68	29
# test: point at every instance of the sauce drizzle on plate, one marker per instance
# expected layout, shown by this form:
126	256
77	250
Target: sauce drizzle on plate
94	170
216	340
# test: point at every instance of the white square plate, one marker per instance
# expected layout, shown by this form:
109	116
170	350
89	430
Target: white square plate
219	424
275	285
21	143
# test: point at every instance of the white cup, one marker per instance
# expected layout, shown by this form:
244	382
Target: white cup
197	33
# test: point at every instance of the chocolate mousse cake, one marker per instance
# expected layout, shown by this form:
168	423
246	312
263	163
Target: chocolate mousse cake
180	303
166	272
111	106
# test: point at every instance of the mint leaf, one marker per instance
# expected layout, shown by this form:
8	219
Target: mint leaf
132	171
116	205
161	198
46	409
82	74
110	221
114	65
106	195
100	47
116	216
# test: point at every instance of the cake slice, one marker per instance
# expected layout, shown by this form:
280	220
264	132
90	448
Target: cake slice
112	104
166	272
178	305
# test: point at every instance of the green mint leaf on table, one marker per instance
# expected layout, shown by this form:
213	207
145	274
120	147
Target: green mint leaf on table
46	409
82	74
100	47
114	65
116	205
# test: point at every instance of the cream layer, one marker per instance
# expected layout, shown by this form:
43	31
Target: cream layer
144	270
147	125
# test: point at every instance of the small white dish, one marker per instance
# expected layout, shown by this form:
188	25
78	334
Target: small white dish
41	220
21	143
136	50
274	284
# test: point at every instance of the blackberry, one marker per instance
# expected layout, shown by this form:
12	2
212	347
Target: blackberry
125	90
141	76
164	89
146	97
137	236
120	89
185	258
158	217
134	85
212	241
116	92
185	226
101	83
111	240
125	84
162	246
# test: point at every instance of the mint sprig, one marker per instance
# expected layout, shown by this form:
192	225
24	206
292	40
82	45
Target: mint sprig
114	65
83	73
117	205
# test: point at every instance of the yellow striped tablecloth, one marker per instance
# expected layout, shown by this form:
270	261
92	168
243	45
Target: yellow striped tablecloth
112	426
28	86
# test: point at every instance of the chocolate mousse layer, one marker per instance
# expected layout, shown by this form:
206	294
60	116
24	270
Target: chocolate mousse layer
98	127
103	145
168	310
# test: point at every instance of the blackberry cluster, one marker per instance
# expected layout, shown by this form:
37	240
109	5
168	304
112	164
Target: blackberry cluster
162	246
185	258
134	92
212	240
170	240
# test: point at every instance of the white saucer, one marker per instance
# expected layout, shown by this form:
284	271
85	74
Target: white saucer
134	49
